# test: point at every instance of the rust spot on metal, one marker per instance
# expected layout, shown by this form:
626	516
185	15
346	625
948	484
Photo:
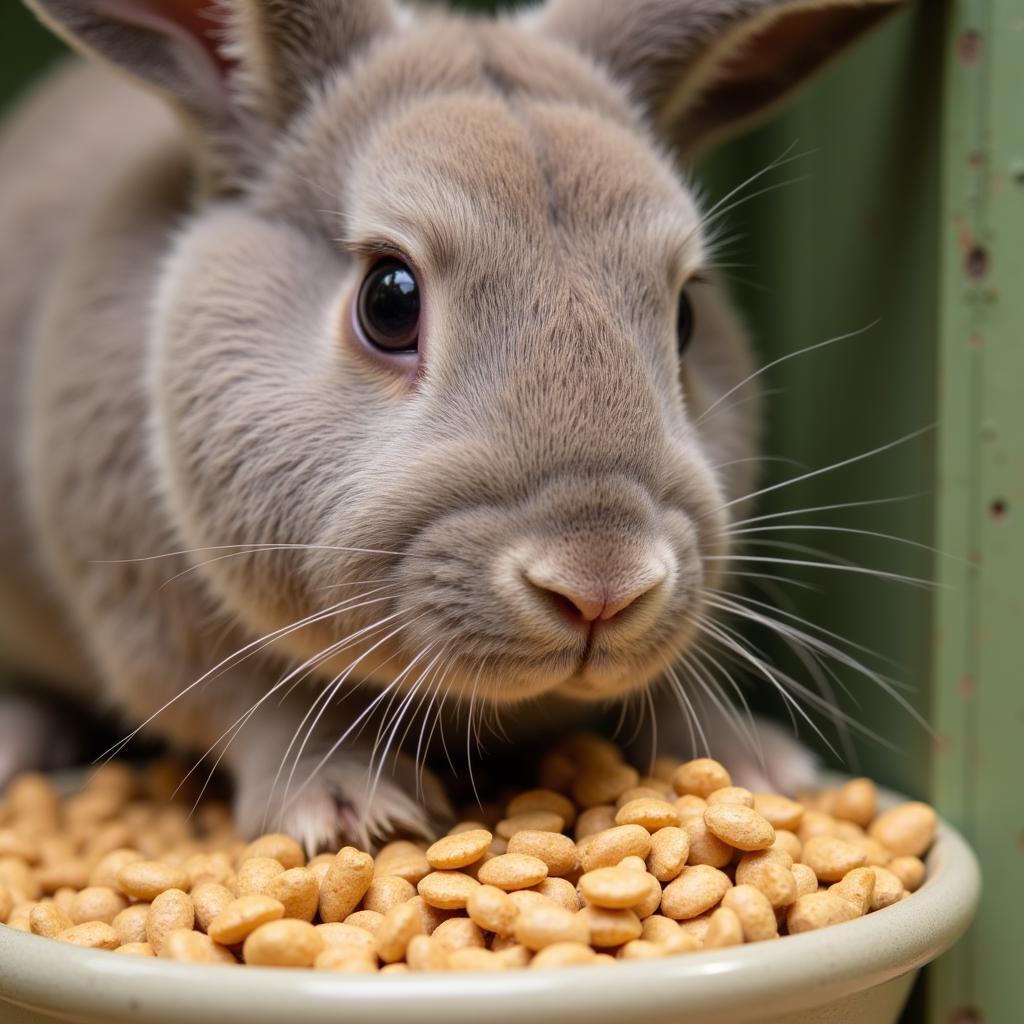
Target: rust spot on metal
941	745
976	341
964	235
975	159
998	509
976	262
965	1015
969	47
968	687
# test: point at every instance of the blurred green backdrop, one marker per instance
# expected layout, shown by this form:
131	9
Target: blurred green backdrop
909	145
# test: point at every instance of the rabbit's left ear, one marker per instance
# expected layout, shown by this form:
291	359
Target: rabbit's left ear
234	70
705	69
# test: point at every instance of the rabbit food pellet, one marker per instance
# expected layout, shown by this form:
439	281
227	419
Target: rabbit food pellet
599	863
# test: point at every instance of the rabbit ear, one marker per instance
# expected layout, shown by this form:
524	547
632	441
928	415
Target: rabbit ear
704	69
234	69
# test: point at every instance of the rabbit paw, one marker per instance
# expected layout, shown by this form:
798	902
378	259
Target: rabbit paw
788	766
340	804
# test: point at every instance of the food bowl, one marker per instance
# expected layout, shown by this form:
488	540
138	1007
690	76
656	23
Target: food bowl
859	972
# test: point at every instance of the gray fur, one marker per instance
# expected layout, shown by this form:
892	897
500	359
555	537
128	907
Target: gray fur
182	377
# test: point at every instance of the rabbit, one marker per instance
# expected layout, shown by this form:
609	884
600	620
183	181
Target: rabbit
355	360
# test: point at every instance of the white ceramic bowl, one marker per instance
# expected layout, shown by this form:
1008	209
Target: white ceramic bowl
854	973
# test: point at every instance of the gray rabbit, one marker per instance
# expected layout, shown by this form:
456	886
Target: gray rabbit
354	358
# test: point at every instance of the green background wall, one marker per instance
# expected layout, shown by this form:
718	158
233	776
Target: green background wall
906	224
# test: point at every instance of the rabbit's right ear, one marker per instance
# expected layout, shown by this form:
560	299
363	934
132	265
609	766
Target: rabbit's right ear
235	70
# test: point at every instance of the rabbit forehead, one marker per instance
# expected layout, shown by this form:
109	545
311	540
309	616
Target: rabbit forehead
458	178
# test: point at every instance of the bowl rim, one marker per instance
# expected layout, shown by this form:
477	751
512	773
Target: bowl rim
87	986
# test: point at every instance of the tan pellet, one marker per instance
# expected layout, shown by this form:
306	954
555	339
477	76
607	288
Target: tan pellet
609	847
513	871
731	795
888	888
754	911
806	879
136	949
771	871
724	929
48	920
424	955
909	870
345	883
255	873
540	926
459	850
788	841
447	890
856	801
700	777
146	879
208	899
284	943
542	800
169	910
610	927
857	887
403	860
557	851
93	934
650	813
560	891
130	924
187	946
831	858
779	810
604	784
383	894
401	923
698	888
492	909
457	933
594	820
337	934
818	910
659	929
704	846
815	823
346	961
739	826
242	916
473	959
513	956
670	848
97	903
907	830
276	846
563	954
369	920
615	887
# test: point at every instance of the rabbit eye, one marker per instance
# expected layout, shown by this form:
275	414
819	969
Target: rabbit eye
388	310
684	322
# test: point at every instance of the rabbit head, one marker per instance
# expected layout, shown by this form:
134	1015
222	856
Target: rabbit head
444	391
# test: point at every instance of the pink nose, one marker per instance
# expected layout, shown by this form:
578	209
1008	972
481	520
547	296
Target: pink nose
589	597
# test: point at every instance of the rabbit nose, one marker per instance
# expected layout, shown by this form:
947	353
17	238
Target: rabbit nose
588	597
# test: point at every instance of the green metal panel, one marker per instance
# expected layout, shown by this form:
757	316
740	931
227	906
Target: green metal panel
979	702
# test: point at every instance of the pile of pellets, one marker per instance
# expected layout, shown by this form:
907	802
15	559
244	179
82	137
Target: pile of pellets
595	865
